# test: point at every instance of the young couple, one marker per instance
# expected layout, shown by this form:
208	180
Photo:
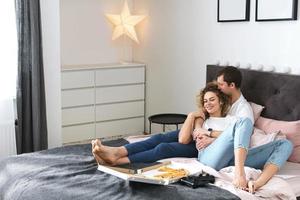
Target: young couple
218	134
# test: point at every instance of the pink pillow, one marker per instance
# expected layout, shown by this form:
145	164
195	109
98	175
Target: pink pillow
257	109
290	128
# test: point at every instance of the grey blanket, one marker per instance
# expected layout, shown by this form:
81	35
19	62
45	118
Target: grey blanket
70	172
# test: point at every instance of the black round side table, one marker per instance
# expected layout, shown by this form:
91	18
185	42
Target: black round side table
167	119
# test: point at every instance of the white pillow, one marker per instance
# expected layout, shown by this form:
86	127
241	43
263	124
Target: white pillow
257	109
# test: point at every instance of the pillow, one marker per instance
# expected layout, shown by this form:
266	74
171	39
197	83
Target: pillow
290	128
259	137
257	109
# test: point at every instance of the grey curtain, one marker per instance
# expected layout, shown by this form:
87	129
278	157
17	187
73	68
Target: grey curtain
31	128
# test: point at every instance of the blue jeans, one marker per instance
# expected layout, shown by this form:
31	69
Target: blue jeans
276	152
158	147
220	153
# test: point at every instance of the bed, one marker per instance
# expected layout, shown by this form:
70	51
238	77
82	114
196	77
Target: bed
70	172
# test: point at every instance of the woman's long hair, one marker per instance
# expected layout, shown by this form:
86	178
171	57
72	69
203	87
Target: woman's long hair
223	98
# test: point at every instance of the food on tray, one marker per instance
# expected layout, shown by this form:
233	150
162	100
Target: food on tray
170	173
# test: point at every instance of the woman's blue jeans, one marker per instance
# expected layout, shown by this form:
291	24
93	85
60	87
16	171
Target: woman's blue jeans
158	147
221	152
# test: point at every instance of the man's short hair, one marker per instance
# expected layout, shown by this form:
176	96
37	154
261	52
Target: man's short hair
231	75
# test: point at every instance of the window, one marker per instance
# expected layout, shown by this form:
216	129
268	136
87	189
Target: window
8	75
8	50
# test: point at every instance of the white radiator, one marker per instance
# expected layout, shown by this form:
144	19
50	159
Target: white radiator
7	128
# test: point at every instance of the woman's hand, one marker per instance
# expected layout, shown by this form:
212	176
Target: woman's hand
203	141
199	132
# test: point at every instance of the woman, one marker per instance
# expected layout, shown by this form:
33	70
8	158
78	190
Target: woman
229	137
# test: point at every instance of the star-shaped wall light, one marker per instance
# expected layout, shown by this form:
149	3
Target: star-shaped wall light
124	23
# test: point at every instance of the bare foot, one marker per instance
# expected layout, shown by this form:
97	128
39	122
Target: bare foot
99	160
253	186
105	154
240	181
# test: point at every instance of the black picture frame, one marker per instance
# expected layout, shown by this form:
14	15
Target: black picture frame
276	10
233	10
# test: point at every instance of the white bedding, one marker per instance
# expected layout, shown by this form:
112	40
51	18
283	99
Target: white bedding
291	173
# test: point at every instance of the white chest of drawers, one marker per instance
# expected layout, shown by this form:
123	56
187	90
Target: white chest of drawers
102	100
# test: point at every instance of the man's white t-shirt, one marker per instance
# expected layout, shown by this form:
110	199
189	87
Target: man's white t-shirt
219	123
241	108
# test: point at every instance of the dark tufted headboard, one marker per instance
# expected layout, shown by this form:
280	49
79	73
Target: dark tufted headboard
279	93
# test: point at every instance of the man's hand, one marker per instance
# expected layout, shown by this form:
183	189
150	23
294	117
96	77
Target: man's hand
203	141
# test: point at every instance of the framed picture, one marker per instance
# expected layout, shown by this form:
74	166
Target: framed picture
233	10
276	10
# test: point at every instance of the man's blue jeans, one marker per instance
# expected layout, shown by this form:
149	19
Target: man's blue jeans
221	152
160	146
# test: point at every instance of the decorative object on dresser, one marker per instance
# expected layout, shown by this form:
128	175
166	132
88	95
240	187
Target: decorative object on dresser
102	101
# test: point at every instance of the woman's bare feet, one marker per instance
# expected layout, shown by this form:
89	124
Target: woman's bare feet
105	154
252	186
240	181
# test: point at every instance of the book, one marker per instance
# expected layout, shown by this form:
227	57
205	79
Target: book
138	168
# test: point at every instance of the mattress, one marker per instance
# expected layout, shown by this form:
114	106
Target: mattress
291	173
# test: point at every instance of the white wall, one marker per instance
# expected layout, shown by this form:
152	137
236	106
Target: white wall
168	47
51	54
180	37
86	33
